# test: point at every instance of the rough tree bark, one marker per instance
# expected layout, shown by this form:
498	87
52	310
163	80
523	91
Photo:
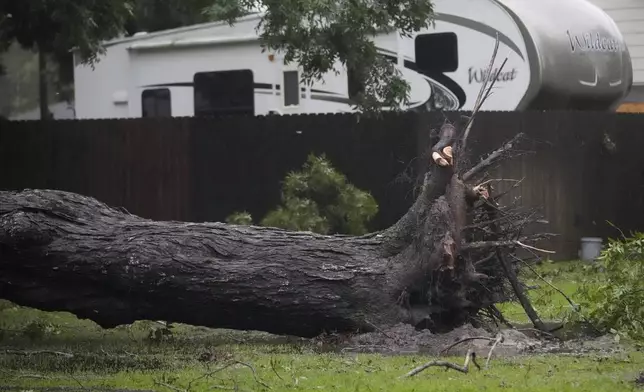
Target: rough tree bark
64	251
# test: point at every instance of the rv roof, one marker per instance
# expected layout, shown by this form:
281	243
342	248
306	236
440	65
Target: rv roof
161	33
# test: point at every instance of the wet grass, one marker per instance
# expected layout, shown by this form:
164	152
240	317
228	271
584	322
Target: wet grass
202	359
550	304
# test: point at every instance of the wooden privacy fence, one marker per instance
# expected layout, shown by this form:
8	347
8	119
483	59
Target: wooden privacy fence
585	168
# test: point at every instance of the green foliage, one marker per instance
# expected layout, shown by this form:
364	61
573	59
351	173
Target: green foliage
240	218
52	26
548	302
612	299
154	15
320	34
319	199
40	329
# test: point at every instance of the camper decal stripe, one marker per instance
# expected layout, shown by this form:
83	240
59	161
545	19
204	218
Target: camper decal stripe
481	28
445	80
257	86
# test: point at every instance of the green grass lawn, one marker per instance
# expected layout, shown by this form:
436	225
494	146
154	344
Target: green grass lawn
201	359
550	304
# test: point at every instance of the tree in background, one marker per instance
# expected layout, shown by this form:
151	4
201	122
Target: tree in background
317	34
155	15
319	199
52	28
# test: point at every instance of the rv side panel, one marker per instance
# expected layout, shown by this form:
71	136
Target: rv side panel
475	24
102	92
584	61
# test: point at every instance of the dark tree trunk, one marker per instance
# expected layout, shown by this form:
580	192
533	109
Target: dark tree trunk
63	251
78	255
43	87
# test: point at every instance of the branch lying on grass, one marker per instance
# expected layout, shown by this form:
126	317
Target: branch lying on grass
30	353
225	388
162	384
471	355
275	370
499	339
210	374
260	382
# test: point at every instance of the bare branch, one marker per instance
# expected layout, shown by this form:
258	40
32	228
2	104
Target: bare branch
499	339
162	384
275	370
39	352
498	180
494	244
484	92
516	185
570	301
260	382
492	158
471	355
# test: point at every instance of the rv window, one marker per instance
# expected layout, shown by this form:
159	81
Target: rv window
156	103
291	88
224	92
437	52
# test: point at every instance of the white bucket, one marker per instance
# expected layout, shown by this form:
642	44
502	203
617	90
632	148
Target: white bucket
591	248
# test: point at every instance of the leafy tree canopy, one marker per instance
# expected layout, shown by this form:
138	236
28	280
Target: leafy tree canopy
59	25
155	15
317	34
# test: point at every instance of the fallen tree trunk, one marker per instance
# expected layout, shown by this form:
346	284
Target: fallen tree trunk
63	251
438	266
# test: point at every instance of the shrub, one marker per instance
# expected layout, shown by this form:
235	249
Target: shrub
613	299
319	199
240	218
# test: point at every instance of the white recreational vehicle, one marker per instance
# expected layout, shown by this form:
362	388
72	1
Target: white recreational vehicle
562	54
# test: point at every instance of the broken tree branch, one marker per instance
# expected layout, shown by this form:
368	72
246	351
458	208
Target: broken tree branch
499	339
492	158
484	92
39	352
496	244
470	356
557	289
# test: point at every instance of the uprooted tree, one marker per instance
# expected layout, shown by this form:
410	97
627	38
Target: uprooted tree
446	260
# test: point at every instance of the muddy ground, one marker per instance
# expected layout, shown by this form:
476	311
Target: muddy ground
405	339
